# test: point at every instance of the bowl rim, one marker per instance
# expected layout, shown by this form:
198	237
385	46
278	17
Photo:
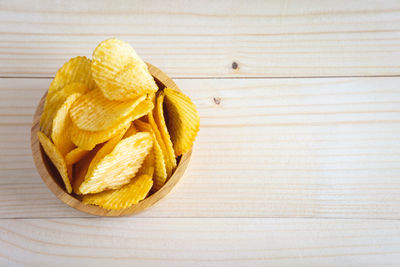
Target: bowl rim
45	168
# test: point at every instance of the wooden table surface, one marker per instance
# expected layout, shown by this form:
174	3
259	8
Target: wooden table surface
297	162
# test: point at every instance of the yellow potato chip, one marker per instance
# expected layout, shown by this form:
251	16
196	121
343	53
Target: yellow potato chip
57	159
119	72
108	147
76	70
61	123
118	167
75	155
182	120
131	131
160	172
168	165
128	195
53	104
100	153
87	140
81	168
152	97
70	174
148	165
94	112
158	114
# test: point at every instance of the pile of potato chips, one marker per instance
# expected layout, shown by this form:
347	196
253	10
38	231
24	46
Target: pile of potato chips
109	130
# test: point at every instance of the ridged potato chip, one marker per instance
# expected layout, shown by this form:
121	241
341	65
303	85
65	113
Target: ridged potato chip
81	168
160	171
158	114
87	140
168	164
53	104
119	72
182	120
148	165
94	112
57	159
131	131
76	70
128	195
118	167
101	152
107	148
61	123
70	172
152	97
75	155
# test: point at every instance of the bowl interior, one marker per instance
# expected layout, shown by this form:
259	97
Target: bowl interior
53	180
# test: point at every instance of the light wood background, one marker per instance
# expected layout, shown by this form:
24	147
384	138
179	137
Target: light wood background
297	162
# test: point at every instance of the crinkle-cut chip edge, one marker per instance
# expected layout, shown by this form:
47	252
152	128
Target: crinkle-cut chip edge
160	167
75	155
94	112
115	49
148	165
162	126
99	153
160	140
130	83
52	104
76	69
131	131
186	125
50	109
98	178
81	167
56	158
61	122
130	194
87	140
119	72
107	148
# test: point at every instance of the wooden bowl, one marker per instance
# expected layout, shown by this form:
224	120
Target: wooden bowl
52	178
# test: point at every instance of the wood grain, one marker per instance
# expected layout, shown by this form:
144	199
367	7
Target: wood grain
203	39
327	148
270	148
199	242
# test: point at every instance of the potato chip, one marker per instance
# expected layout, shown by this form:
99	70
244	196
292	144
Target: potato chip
128	195
148	165
53	104
119	72
70	174
81	168
108	147
87	140
57	159
160	172
61	123
76	70
152	97
101	152
168	165
131	131
94	112
118	167
75	155
182	120
158	114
